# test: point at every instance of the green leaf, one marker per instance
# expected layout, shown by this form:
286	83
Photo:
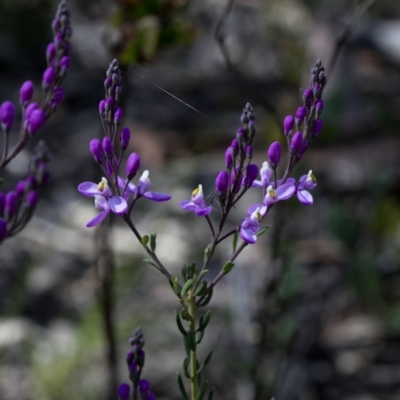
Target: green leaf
206	361
228	267
204	321
207	298
201	289
182	387
183	314
175	284
207	253
203	273
199	336
186	344
262	230
186	287
145	240
191	270
180	325
202	391
153	239
186	363
235	238
151	262
184	273
210	393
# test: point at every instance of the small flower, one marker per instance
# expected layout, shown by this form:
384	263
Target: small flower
141	190
282	192
197	203
103	200
306	182
265	174
251	225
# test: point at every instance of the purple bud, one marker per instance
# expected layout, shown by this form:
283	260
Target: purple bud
64	65
129	357
301	114
235	146
317	127
50	53
251	174
36	121
31	182
140	357
123	391
240	135
10	205
30	109
48	77
319	106
132	165
109	103
274	153
7	113
249	151
58	96
308	97
304	147
288	125
2	202
221	182
236	183
45	178
133	367
20	188
3	229
118	116
102	107
317	91
108	147
96	149
297	142
144	386
107	83
151	396
125	138
32	199
26	93
228	157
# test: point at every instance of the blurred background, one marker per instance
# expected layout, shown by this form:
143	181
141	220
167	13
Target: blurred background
310	312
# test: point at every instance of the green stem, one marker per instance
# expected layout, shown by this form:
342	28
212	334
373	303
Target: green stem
191	300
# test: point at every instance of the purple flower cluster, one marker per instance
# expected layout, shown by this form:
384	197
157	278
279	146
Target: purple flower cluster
135	360
240	174
17	205
34	115
105	154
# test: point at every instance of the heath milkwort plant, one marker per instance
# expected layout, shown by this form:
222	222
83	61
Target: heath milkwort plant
16	206
118	194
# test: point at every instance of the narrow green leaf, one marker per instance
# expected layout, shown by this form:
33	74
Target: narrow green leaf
191	270
235	238
153	240
202	391
151	262
186	363
207	253
186	287
182	387
201	289
183	313
262	230
184	273
203	273
199	336
186	343
228	267
175	284
210	393
207	298
204	321
180	325
145	240
206	361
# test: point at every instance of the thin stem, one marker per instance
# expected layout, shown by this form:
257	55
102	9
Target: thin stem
211	225
191	300
5	144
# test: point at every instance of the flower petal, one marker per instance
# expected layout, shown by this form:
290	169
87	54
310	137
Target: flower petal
156	196
118	205
285	191
97	219
254	207
131	188
257	184
88	189
305	197
202	211
187	205
248	235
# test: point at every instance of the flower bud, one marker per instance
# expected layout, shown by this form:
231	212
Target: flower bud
274	154
235	147
102	107
20	188
48	78
36	121
3	229
50	53
129	357
132	165
125	137
317	91
108	147
308	97
107	83
236	182
288	125
58	96
10	205
32	199
249	151
319	106
26	93
240	135
7	113
221	182
151	396
29	110
297	142
118	116
109	104
123	391
251	174
144	386
96	149
300	114
228	157
317	127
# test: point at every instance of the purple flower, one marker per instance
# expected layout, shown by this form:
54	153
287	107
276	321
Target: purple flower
251	175
197	203
123	391
282	192
141	190
306	183
103	200
251	225
265	174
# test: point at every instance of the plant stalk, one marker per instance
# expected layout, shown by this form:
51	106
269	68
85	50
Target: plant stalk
193	353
